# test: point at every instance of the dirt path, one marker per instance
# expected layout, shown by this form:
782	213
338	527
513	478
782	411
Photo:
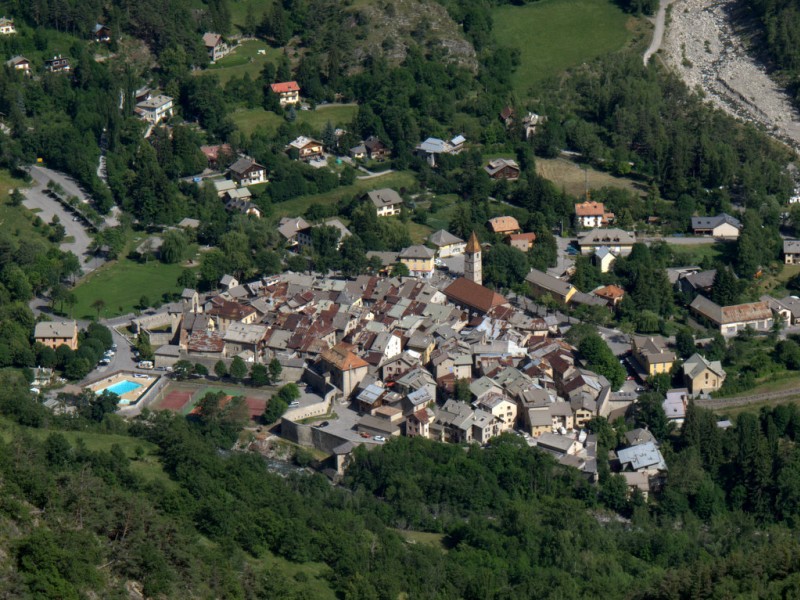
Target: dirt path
721	403
658	31
703	47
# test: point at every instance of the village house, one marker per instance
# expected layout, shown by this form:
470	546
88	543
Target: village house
612	294
20	63
558	445
215	46
521	241
701	375
791	252
245	340
223	186
358	152
246	171
592	214
7	26
101	33
386	201
346	369
155	109
418	259
652	354
290	227
720	226
730	320
418	424
243	206
603	258
446	243
786	309
226	312
617	241
218	155
542	285
305	237
288	92
530	122
57	333
698	282
507	115
503	225
433	147
376	150
501	408
307	149
502	168
675	404
57	64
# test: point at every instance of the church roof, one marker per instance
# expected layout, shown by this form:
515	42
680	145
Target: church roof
473	245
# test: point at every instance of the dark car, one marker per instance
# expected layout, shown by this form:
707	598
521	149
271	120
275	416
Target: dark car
324	424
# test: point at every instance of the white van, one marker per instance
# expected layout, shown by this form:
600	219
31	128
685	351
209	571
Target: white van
145	364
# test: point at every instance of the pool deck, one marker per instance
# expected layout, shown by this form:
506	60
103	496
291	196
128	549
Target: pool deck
128	398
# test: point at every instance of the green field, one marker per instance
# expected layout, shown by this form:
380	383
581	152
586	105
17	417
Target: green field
298	206
693	254
555	35
121	284
148	466
239	10
249	119
244	59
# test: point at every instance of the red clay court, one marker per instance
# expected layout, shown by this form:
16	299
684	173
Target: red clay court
175	401
256	406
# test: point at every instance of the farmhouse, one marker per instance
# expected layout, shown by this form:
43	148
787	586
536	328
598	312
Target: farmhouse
307	148
592	214
432	147
57	333
732	319
101	33
246	171
521	241
446	243
603	258
7	26
376	149
20	63
791	252
503	225
155	109
215	46
721	226
701	375
386	201
502	168
57	64
288	92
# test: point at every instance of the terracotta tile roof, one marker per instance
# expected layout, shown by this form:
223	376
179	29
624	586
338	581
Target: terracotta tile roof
611	292
341	357
230	310
468	293
285	87
590	209
504	224
525	237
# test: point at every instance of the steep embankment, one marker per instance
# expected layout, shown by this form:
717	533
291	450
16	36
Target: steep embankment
703	45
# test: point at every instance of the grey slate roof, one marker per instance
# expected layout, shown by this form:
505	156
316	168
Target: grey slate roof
716	221
443	238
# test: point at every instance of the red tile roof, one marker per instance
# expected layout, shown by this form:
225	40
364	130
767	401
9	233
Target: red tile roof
468	293
342	358
590	209
504	224
285	87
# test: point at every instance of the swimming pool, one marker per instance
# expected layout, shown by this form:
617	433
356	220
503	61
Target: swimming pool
121	387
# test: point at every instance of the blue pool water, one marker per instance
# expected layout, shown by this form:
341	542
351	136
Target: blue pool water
122	387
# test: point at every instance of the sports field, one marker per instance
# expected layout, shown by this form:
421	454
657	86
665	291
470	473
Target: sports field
182	397
555	35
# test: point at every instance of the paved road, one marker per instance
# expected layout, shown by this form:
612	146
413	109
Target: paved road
658	32
45	207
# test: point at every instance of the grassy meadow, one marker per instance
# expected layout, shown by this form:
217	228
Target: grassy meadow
250	119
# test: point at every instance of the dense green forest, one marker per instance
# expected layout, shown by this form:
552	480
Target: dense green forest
779	22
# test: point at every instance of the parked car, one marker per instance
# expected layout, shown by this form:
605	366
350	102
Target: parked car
364	434
104	362
294	404
324	424
379	438
145	364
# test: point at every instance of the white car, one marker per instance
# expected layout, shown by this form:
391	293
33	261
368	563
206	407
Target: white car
145	364
379	438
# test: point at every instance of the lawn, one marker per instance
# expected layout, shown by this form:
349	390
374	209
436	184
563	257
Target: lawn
298	206
435	540
121	284
249	119
693	254
238	10
555	35
244	59
573	177
148	467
